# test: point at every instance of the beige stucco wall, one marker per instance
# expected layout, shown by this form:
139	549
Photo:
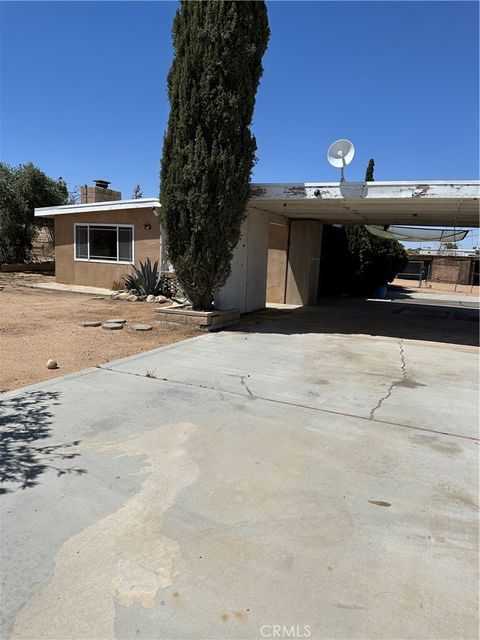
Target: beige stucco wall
99	274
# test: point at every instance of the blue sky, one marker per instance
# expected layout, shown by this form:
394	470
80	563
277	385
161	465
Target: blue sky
83	89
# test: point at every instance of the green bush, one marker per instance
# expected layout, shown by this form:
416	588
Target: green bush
373	261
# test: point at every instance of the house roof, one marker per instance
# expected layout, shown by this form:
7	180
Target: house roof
97	207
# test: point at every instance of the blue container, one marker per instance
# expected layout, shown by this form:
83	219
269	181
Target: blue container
382	292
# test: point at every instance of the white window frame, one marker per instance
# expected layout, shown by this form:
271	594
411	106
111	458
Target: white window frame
98	224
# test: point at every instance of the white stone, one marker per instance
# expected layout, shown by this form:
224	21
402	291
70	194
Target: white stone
52	364
132	298
161	299
151	298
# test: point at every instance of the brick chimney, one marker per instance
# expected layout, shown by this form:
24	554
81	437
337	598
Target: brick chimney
99	193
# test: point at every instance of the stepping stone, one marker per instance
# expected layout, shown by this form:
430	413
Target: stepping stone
91	323
98	298
142	327
117	321
112	325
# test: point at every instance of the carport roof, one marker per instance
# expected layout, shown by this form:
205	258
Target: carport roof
436	203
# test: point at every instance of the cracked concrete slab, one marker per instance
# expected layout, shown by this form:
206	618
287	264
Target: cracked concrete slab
246	485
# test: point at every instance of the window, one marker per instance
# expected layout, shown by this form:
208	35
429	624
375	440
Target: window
104	243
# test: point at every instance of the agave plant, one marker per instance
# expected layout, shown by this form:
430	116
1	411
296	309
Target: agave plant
147	280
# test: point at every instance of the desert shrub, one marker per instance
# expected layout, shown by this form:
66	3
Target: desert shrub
148	280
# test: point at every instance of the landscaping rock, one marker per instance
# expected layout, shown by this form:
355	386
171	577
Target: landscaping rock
132	298
123	296
98	298
91	323
161	299
112	325
142	327
117	320
151	298
142	298
52	364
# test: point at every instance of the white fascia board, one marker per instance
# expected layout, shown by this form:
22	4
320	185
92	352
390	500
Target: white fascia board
459	189
97	207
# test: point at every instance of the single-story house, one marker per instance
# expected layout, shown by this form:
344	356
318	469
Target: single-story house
278	256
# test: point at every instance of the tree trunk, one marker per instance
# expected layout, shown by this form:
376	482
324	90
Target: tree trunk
200	301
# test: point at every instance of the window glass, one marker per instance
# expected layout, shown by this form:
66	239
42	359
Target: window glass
103	243
125	244
81	242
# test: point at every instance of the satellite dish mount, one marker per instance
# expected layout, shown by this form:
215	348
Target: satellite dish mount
339	154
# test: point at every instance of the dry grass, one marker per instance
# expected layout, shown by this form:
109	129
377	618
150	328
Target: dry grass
36	325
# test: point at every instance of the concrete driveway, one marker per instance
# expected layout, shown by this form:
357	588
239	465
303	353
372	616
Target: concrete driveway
288	479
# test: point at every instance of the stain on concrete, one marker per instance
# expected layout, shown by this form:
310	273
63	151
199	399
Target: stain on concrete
124	556
339	605
240	615
381	503
437	444
410	384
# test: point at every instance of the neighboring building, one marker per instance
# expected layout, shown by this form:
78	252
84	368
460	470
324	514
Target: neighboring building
278	256
452	266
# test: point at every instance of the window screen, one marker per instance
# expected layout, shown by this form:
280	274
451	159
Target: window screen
81	242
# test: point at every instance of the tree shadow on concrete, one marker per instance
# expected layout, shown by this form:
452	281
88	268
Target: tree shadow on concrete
411	320
25	421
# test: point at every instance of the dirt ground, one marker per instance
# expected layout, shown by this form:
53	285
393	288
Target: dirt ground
36	325
438	287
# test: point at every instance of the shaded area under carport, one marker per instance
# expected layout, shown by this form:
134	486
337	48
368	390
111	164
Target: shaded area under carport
410	318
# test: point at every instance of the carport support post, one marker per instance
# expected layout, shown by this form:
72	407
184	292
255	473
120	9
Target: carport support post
303	270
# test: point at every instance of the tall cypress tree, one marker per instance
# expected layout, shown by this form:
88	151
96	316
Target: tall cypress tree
208	149
370	170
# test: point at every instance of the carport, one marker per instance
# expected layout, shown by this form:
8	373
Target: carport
280	248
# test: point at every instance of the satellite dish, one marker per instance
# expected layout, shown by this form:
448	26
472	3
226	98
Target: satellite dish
339	154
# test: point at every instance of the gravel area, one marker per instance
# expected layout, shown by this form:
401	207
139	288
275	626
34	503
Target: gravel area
37	325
